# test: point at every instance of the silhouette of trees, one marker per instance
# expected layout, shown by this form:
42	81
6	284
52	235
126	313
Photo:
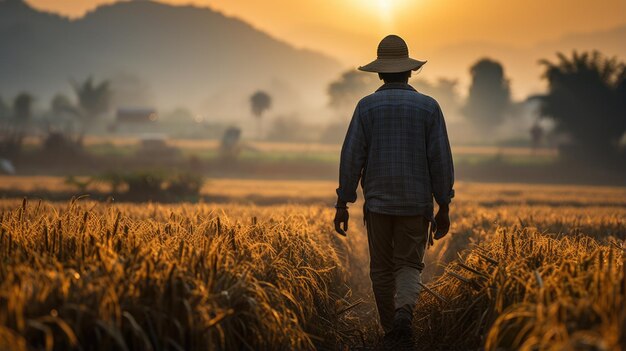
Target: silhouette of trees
587	100
61	138
22	108
93	99
345	92
489	96
12	133
5	110
444	90
260	102
61	105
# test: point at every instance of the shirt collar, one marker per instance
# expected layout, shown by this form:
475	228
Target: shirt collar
396	85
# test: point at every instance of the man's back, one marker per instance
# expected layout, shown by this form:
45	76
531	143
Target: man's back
398	144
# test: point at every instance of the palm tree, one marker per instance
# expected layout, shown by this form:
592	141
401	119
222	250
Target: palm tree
260	102
586	99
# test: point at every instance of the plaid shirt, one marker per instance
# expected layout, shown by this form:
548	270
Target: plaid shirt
397	145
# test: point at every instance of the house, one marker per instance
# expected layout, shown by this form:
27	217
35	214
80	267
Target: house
135	120
136	115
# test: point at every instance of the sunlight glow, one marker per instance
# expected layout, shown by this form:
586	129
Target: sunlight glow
384	10
384	5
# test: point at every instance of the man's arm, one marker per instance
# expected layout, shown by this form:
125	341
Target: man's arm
441	170
353	156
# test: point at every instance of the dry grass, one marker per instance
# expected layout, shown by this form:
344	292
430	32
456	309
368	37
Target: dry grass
526	267
523	290
153	277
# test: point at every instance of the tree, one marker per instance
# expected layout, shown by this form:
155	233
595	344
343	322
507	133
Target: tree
444	90
489	95
12	135
345	92
5	110
343	95
260	102
60	138
61	105
587	99
93	99
22	108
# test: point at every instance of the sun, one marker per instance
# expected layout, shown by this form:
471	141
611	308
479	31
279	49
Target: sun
384	10
384	5
381	7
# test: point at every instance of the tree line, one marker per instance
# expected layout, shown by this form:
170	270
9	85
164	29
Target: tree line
585	99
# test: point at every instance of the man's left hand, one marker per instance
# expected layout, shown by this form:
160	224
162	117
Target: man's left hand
443	222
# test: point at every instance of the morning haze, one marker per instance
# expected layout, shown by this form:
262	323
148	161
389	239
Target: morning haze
135	43
449	33
312	175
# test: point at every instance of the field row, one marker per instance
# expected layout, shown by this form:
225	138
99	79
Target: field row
299	191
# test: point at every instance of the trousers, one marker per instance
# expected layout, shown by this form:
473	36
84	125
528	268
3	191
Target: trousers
396	245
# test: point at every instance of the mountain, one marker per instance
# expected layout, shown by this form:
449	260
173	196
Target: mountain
157	54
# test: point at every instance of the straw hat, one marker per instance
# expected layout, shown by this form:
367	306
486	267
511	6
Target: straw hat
393	57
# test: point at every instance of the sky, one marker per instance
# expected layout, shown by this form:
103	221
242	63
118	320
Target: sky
349	30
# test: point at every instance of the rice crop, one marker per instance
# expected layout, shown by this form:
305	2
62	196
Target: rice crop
526	290
99	277
521	269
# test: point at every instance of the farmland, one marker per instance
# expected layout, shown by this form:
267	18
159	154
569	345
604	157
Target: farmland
168	175
525	267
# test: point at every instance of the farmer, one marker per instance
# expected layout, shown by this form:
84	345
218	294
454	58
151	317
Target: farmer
397	145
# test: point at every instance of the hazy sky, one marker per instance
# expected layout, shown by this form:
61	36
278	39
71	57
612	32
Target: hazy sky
451	34
349	28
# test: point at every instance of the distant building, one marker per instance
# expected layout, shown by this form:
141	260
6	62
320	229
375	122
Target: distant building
136	115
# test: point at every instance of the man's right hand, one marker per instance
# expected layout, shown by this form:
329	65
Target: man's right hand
341	216
443	222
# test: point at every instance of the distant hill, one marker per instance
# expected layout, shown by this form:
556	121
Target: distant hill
156	54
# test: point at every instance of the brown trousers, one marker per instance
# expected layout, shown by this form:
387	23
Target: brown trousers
396	245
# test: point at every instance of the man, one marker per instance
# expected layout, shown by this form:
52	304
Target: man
397	145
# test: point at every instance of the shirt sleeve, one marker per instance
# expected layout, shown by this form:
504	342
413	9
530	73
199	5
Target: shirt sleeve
440	159
353	156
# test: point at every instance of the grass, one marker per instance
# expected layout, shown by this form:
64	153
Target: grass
526	267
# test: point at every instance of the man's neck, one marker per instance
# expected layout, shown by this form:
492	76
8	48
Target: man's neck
397	82
396	85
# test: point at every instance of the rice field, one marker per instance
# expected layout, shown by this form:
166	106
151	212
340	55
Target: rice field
525	267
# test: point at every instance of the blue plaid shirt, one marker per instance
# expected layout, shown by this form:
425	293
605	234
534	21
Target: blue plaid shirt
397	145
